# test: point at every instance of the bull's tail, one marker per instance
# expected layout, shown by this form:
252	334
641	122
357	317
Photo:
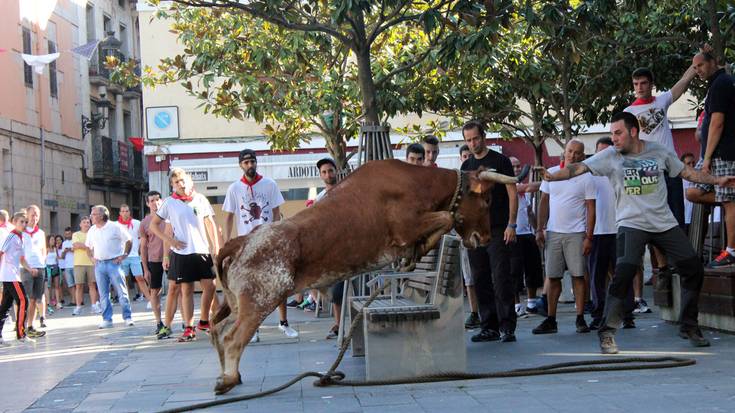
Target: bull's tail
222	265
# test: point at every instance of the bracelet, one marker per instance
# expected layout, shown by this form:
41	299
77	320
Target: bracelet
512	226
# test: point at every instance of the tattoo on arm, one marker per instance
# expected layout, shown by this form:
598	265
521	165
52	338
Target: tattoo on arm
693	175
577	169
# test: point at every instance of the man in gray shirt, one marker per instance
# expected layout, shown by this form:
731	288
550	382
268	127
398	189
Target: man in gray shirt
636	170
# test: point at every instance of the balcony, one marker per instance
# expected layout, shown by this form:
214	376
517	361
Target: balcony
116	161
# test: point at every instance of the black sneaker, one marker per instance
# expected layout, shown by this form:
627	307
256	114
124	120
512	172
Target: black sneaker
43	322
595	324
159	326
485	335
531	310
722	260
581	325
164	333
629	323
548	326
293	303
695	337
472	322
507	337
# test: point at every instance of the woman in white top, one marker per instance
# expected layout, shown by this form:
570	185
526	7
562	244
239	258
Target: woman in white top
52	271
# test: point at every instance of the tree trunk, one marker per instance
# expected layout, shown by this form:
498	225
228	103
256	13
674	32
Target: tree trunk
367	85
714	28
337	148
538	152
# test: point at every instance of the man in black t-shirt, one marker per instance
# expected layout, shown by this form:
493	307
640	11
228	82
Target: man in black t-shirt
491	265
718	139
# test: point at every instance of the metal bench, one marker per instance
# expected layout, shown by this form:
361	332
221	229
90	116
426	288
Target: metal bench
417	328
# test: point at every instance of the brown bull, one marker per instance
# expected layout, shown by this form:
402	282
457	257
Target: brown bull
385	211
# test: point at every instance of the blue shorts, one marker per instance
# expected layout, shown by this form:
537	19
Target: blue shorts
132	265
68	276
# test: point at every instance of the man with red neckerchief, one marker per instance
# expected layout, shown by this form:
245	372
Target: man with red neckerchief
252	201
190	259
34	249
132	264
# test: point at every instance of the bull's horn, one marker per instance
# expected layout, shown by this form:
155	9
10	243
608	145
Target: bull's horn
496	177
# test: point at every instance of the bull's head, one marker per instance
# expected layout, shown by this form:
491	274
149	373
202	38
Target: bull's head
472	216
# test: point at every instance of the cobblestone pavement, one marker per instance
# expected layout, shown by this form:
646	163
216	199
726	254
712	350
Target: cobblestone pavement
125	369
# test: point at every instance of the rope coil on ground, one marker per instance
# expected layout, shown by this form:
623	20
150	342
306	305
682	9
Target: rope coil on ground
333	377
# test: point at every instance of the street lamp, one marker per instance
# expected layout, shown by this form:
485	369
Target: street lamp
97	120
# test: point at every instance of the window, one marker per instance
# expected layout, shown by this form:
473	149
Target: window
107	24
53	86
27	69
112	123
124	40
91	35
74	221
127	124
54	222
121	3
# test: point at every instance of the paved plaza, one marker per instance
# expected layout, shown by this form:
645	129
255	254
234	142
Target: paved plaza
79	368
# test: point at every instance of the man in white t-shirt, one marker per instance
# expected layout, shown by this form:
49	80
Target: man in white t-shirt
651	112
132	265
567	213
110	244
525	261
34	245
66	263
194	240
252	201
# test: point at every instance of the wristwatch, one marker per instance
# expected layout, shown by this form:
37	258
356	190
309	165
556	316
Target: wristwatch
513	226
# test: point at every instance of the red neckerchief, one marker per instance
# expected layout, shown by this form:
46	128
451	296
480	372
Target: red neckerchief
128	223
640	101
4	224
31	233
250	185
184	198
16	232
561	164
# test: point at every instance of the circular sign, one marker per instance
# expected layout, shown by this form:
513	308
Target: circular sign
162	120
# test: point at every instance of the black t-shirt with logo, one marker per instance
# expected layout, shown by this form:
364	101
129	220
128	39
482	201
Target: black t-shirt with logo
499	202
721	98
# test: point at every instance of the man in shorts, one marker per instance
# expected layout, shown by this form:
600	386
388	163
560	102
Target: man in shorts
567	213
718	145
635	169
192	219
132	265
252	201
34	245
151	256
84	269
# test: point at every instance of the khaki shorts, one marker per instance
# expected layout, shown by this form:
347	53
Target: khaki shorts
83	274
564	251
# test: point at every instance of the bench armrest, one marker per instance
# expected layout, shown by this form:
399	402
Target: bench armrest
400	275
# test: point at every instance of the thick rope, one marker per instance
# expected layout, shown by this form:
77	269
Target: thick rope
333	377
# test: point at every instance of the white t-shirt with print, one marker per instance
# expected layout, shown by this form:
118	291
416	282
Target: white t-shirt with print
33	248
12	248
604	206
134	235
252	207
187	220
654	121
567	209
107	242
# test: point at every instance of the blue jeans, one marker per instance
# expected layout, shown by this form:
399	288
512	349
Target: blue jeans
106	272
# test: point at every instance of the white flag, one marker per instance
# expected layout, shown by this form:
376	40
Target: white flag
39	62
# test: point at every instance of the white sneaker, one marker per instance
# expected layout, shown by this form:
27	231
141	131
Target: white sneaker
77	310
96	308
256	337
149	306
129	322
288	331
26	340
105	324
3	343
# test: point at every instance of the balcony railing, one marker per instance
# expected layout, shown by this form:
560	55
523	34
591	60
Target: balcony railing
116	160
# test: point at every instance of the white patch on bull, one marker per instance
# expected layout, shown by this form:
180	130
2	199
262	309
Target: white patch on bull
263	269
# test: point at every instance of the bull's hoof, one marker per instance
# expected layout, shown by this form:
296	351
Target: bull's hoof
226	383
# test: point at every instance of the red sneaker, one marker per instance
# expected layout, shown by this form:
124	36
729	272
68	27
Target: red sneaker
188	335
203	326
